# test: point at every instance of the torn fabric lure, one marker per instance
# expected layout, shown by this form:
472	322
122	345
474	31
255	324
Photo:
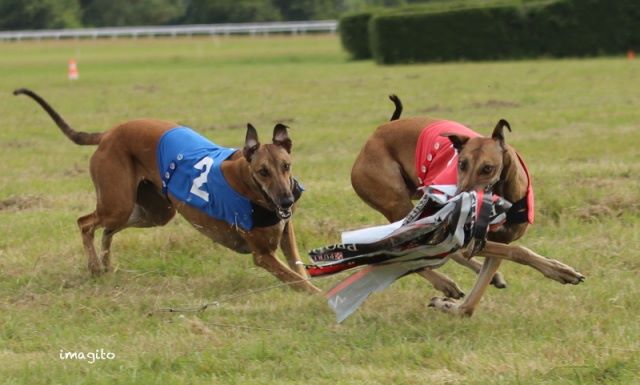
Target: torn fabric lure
437	226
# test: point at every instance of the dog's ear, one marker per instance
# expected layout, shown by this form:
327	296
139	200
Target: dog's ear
251	143
498	132
457	140
281	137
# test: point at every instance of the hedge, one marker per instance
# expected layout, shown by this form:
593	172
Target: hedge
584	28
503	30
481	33
354	27
354	35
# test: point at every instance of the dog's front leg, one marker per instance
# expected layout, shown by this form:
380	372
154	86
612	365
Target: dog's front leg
550	268
497	280
264	244
487	271
290	250
269	262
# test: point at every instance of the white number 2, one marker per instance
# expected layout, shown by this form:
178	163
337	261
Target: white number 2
205	166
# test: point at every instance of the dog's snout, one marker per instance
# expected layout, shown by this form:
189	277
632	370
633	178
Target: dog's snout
286	202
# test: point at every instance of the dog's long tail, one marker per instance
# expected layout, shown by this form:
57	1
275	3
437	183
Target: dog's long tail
82	138
396	101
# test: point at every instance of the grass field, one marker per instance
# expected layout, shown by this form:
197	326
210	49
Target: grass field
576	122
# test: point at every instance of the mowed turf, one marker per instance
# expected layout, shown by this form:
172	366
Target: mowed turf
576	122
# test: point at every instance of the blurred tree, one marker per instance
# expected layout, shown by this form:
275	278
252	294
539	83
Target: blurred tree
39	14
343	6
104	13
230	11
307	9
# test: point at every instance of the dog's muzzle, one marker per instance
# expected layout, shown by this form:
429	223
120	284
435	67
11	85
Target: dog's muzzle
283	208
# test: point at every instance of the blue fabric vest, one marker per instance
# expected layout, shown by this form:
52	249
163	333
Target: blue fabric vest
189	165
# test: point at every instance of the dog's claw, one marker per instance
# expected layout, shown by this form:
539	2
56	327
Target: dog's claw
580	279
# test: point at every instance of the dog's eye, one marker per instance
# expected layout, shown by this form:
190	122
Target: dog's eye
286	167
487	169
462	165
263	172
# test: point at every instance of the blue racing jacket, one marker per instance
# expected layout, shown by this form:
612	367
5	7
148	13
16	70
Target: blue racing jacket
190	168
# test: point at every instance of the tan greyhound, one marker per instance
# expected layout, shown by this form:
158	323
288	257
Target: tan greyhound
395	162
133	190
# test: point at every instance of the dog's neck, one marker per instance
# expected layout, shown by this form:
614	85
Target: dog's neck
513	179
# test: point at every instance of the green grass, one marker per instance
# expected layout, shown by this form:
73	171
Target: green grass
574	121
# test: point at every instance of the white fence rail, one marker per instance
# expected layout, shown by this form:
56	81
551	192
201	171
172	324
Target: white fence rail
290	27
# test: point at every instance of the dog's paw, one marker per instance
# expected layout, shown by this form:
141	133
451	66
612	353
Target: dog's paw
447	305
563	273
451	290
498	281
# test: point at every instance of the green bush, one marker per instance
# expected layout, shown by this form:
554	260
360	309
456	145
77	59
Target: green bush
584	28
481	33
354	27
354	35
506	29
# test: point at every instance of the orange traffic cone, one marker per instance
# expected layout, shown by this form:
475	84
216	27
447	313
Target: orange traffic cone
73	69
631	55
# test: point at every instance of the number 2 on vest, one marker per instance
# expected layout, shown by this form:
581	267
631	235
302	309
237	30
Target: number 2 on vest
205	166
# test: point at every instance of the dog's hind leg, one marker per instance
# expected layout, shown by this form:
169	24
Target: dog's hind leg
379	181
151	209
105	254
136	219
88	225
112	172
290	250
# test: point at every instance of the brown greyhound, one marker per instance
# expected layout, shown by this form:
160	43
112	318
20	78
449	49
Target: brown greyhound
133	190
393	165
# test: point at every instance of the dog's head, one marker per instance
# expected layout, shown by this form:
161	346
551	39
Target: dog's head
270	167
480	159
